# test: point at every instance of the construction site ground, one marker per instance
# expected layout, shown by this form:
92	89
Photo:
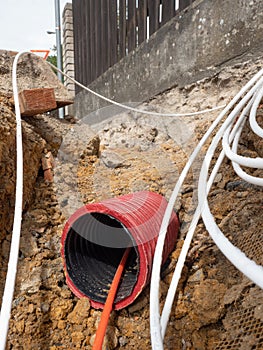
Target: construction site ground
216	307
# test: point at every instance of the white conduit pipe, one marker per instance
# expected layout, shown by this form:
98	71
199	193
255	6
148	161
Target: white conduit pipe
158	324
14	249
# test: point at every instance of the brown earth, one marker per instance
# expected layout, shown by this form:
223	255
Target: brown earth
215	306
32	72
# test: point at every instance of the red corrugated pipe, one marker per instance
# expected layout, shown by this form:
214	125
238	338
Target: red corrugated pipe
96	236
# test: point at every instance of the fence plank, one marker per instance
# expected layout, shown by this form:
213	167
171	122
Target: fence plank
97	36
153	10
104	36
183	4
142	21
168	10
105	32
113	31
92	44
122	28
131	32
83	36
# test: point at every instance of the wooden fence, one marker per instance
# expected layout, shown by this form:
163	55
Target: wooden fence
107	30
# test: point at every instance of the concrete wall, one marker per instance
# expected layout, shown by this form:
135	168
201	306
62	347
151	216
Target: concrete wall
195	44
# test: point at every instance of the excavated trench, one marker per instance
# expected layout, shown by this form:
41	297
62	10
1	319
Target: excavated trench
215	306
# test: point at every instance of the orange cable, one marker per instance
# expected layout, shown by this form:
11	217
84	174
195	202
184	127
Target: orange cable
100	334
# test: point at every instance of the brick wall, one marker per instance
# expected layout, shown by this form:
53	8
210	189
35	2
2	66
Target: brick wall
68	46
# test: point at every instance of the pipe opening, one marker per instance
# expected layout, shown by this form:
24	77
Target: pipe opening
93	250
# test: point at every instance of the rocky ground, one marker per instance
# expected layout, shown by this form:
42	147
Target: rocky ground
215	306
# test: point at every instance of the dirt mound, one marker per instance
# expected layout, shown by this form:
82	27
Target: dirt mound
32	72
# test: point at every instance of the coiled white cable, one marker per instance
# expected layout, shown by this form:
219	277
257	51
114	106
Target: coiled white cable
242	174
247	266
14	249
253	113
238	160
158	323
234	157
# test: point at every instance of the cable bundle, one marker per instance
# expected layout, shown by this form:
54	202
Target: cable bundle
244	104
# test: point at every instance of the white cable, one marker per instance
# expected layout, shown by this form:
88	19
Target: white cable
14	249
241	160
241	173
247	266
253	113
158	325
137	110
232	153
179	266
182	257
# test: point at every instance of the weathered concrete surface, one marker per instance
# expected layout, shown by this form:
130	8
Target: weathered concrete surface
195	44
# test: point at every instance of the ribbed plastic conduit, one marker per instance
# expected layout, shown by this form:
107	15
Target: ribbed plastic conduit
95	237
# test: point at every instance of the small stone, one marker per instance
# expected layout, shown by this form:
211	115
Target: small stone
258	313
93	146
198	276
141	302
60	308
218	178
20	326
80	311
28	245
112	159
45	307
110	341
77	338
123	341
61	324
30	308
112	337
32	282
17	301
